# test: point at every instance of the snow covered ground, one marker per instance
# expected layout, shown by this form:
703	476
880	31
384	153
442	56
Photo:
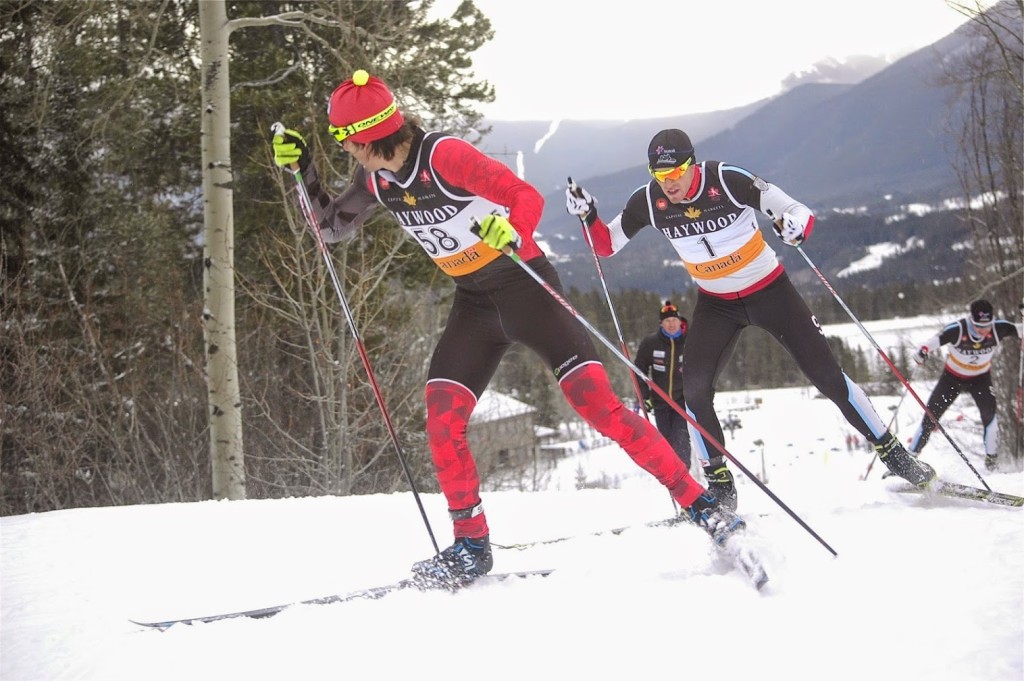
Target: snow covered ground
921	588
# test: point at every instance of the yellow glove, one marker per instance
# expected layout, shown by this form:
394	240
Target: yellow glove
497	232
290	149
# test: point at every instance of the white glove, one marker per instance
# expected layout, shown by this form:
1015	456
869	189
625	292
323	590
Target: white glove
921	355
578	201
790	229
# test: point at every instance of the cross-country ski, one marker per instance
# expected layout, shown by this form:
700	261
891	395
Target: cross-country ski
371	593
958	491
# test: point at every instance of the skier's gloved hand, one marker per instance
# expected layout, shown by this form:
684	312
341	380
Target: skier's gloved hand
580	203
921	356
990	462
290	149
497	232
792	228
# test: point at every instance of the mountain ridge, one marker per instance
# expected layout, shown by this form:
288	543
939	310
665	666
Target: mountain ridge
859	153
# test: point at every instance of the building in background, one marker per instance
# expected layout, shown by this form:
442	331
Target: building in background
501	435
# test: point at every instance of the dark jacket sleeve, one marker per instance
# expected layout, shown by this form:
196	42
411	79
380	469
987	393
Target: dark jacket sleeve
339	217
1005	329
644	358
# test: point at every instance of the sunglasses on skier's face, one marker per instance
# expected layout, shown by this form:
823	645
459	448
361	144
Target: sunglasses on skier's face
671	173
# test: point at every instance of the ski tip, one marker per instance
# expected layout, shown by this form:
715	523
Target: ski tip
160	626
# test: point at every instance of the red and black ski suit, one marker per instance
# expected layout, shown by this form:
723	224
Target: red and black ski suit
444	183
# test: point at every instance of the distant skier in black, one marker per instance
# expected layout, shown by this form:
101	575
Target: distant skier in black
660	356
973	342
708	212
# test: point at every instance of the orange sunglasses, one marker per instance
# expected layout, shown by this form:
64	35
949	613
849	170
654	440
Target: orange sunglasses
671	173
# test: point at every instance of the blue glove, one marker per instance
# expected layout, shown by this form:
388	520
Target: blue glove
497	232
290	150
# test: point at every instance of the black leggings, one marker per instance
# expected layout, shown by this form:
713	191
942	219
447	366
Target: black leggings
945	393
506	306
779	310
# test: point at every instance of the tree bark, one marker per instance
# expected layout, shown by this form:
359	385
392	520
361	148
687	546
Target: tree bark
225	403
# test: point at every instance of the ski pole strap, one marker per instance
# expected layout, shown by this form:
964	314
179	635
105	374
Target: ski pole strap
466	513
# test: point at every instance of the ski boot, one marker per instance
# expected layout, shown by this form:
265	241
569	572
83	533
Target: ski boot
901	463
456	566
722	485
717	520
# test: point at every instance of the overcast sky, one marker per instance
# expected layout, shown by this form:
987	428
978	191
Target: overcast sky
548	59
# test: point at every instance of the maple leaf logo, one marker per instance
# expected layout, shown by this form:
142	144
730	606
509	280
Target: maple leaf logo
692	212
409	199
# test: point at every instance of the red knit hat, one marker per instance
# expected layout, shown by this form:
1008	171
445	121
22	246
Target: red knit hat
363	110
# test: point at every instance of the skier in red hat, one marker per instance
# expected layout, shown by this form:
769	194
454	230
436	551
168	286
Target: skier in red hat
437	186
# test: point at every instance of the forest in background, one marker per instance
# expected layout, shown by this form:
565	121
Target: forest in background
104	264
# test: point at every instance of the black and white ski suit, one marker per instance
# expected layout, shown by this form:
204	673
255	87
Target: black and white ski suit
967	369
740	283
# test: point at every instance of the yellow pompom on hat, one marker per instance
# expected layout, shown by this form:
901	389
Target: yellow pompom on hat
362	109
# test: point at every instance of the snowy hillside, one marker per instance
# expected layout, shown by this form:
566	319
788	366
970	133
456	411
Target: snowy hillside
920	589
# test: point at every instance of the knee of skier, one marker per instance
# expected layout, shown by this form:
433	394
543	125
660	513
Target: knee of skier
590	393
449	406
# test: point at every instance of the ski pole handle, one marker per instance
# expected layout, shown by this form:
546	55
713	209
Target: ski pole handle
278	129
574	189
474	227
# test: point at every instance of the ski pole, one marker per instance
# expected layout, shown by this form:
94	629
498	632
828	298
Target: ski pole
600	275
615	320
507	250
306	205
1020	391
893	367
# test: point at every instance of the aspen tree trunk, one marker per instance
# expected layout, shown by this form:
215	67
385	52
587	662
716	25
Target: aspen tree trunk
225	403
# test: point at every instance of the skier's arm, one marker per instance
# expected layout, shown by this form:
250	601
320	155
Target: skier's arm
339	217
464	166
609	238
643	363
1007	329
792	220
949	335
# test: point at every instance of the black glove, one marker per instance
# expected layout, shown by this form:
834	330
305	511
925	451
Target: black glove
921	356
